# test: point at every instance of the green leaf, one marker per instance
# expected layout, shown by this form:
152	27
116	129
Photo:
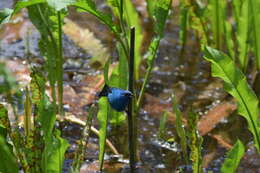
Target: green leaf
255	12
180	128
160	14
54	154
102	121
162	128
235	83
150	7
217	13
5	15
23	4
242	34
89	6
233	158
195	143
133	20
60	4
8	163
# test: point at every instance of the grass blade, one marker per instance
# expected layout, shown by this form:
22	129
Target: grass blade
255	11
180	129
235	84
242	35
233	158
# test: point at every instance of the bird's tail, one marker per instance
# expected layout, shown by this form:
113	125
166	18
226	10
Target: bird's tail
104	92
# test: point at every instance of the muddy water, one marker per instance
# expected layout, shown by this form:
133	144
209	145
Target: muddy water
188	77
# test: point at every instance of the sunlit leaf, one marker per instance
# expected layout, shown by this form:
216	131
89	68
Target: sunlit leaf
102	121
235	83
5	15
59	4
233	158
53	157
23	4
133	20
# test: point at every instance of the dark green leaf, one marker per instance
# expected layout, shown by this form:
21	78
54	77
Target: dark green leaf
8	163
160	13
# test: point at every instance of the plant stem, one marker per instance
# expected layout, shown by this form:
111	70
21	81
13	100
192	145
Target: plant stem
59	66
151	58
131	139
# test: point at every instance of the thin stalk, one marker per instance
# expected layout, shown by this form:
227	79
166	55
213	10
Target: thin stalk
59	66
130	111
147	74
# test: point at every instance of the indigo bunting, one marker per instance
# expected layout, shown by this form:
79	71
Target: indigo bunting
117	98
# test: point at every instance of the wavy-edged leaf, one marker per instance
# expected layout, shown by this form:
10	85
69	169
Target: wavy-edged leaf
235	83
233	158
102	121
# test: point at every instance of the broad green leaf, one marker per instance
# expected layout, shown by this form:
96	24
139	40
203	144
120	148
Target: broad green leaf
5	15
8	163
255	11
54	154
242	34
23	4
102	121
235	83
60	4
160	14
180	128
233	158
89	6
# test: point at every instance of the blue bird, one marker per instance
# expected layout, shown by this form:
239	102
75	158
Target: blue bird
117	98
